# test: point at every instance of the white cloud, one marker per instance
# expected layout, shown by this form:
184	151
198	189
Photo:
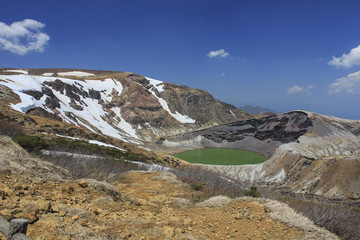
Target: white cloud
348	84
218	53
223	74
296	89
347	60
23	36
310	86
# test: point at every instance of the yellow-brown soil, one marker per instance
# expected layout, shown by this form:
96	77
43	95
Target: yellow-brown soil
145	205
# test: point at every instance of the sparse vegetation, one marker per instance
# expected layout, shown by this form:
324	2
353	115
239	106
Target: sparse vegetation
11	128
91	166
337	218
253	192
210	183
197	186
341	219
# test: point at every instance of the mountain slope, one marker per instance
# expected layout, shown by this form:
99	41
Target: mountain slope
118	104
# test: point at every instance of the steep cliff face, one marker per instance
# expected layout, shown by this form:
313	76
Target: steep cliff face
118	104
262	135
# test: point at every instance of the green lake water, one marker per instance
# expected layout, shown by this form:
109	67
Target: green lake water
221	156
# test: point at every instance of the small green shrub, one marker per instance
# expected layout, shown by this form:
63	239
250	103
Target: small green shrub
197	186
252	192
201	199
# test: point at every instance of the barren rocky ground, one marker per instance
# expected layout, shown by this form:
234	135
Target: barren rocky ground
141	205
145	205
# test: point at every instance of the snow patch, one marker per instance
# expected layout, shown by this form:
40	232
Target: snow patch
232	113
17	71
159	85
58	153
178	116
21	83
48	74
106	145
123	124
27	103
75	74
74	138
89	141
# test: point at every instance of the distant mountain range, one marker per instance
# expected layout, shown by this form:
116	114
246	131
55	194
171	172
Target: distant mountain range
256	110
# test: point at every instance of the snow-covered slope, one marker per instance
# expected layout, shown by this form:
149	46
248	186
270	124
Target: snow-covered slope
90	114
122	105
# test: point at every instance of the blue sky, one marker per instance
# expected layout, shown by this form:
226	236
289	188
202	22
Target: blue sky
276	54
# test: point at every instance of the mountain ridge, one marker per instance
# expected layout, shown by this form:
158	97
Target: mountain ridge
257	109
127	99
